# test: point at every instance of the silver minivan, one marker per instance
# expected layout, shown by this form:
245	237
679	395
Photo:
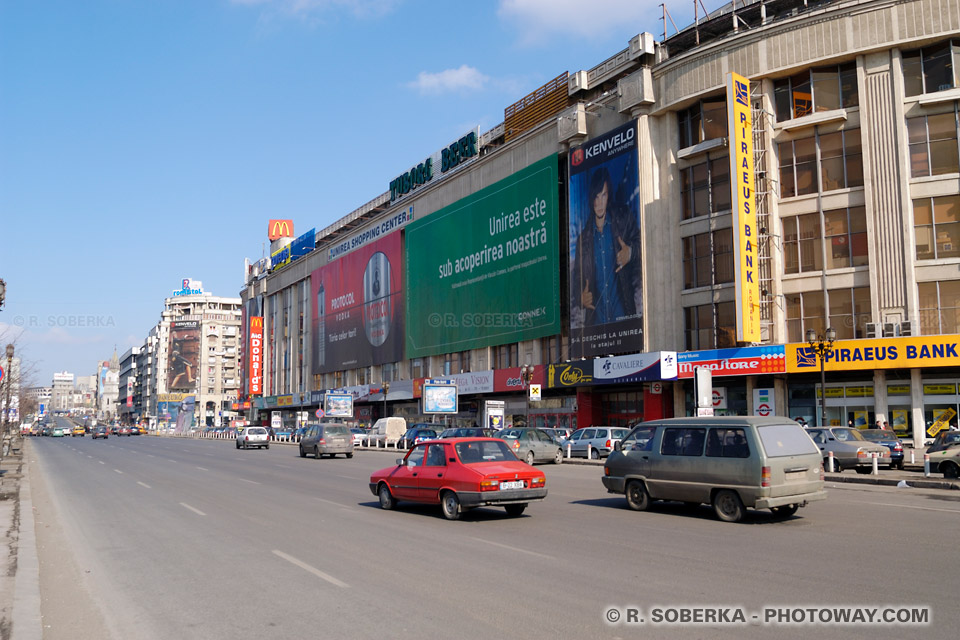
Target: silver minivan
598	441
728	462
324	438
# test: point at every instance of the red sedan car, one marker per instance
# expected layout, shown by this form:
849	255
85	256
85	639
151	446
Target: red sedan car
460	474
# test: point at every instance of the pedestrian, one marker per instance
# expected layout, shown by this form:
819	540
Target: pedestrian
886	426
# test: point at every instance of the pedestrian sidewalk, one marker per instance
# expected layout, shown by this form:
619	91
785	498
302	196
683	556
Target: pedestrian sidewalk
19	568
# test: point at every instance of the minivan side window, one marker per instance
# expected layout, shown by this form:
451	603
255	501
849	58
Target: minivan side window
683	442
640	440
727	443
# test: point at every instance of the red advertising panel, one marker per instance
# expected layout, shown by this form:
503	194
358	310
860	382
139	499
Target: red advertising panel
129	392
358	308
256	356
509	379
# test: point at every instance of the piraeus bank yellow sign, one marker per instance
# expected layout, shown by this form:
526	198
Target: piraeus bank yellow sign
888	353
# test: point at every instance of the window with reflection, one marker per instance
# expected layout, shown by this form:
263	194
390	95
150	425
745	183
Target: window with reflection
802	247
939	307
705	120
705	187
933	144
710	326
845	236
931	69
708	259
849	313
841	163
937	227
815	90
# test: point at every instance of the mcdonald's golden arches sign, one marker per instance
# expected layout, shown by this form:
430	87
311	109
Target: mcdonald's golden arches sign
280	229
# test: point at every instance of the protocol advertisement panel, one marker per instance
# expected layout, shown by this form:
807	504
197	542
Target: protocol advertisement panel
486	267
358	308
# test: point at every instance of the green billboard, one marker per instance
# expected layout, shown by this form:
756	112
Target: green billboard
485	270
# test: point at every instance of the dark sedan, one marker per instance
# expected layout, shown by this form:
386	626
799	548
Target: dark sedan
415	435
100	432
467	432
890	440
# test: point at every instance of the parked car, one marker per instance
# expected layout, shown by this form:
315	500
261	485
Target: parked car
388	430
415	435
467	432
599	439
559	434
359	435
253	437
888	439
531	444
728	462
460	474
944	440
946	461
100	432
327	439
850	449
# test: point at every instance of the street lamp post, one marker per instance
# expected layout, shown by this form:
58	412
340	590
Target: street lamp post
822	345
8	380
386	389
526	375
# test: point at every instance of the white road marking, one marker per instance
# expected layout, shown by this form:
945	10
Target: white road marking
202	469
907	506
118	471
149	455
336	504
101	462
313	570
194	509
91	457
506	546
171	460
250	481
143	484
347	477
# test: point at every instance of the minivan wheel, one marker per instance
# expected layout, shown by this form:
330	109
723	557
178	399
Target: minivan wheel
530	458
558	459
349	455
594	454
951	470
451	505
387	501
728	506
785	511
637	497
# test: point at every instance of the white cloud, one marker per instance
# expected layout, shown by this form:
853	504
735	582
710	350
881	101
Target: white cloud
311	8
464	78
538	20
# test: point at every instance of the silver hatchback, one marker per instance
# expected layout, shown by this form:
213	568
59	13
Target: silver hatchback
599	441
326	439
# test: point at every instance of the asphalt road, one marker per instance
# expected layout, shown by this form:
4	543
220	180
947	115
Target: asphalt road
194	539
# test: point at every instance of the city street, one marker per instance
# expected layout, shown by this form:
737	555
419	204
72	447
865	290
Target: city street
145	537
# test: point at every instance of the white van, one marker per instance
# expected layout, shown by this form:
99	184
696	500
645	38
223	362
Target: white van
388	430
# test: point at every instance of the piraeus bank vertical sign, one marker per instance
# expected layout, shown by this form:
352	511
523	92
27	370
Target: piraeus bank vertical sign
742	181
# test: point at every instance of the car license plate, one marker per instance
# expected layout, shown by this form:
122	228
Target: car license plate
794	475
518	484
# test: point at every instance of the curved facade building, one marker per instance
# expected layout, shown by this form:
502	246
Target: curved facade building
598	236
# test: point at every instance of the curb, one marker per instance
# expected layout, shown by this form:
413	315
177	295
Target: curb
26	620
919	483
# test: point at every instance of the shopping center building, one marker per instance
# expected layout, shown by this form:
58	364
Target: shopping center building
596	235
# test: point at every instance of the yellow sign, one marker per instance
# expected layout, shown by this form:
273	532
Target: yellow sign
941	423
172	397
860	419
900	419
742	180
898	389
939	389
882	353
859	392
832	392
284	401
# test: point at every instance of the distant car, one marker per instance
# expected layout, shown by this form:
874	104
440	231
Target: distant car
946	461
100	432
134	430
850	449
253	437
888	439
327	439
531	445
600	441
358	435
123	431
77	431
467	432
57	432
944	440
415	435
460	474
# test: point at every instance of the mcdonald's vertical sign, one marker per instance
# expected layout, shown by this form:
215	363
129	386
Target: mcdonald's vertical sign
742	181
256	356
277	229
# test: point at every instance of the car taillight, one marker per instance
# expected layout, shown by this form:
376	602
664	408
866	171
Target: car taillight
246	438
608	444
765	477
516	444
538	482
898	447
322	441
489	485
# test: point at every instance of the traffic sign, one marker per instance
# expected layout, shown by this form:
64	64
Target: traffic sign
536	392
319	413
764	410
656	388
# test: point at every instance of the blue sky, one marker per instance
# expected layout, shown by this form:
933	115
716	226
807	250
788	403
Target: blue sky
143	142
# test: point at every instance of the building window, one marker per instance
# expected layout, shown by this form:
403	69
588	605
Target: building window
506	356
845	234
802	248
849	313
841	163
822	89
706	120
705	187
337	379
931	69
933	144
418	368
939	307
388	372
363	375
704	266
710	326
550	350
937	225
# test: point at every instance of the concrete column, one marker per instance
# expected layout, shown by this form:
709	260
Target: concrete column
880	407
780	398
679	405
751	385
916	407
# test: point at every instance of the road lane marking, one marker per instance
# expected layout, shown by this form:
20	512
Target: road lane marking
506	546
907	506
91	457
194	509
171	460
101	462
250	481
118	471
347	477
313	570
336	504
202	469
143	484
